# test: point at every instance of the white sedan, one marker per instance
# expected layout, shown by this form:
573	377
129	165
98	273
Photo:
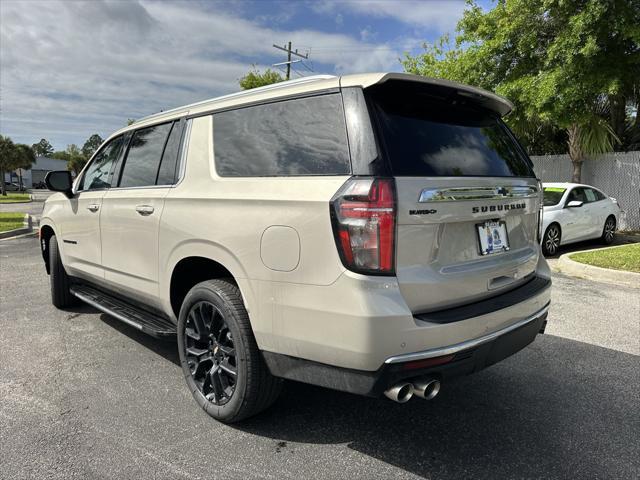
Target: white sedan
575	212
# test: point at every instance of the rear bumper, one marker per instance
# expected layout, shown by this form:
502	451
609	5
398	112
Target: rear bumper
462	359
360	322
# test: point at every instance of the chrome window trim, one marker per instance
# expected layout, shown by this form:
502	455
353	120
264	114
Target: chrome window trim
456	194
451	349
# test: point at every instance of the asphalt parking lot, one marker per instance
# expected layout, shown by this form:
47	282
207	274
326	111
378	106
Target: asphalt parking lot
84	396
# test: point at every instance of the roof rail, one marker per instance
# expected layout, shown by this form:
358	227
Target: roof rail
273	86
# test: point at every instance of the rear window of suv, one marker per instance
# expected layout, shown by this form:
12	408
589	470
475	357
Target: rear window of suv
305	136
426	133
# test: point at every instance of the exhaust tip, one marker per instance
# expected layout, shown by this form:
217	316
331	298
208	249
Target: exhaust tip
400	392
427	388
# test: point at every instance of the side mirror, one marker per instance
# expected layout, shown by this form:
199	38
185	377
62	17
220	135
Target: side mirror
59	181
574	204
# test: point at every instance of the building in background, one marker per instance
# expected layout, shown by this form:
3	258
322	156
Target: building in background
37	173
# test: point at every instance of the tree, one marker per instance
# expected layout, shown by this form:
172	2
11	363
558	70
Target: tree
255	79
43	148
568	66
8	160
76	160
91	145
25	158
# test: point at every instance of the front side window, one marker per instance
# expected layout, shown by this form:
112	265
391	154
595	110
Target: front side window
143	158
553	195
305	136
98	173
591	195
577	195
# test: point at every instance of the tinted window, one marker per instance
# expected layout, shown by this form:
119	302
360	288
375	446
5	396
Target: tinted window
577	195
305	136
98	173
553	195
591	195
429	135
599	195
143	159
167	172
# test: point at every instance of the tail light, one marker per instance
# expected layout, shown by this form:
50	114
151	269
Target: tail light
363	213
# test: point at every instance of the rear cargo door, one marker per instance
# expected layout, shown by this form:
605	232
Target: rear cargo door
468	200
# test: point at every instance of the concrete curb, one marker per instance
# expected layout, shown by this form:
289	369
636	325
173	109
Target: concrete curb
27	227
582	270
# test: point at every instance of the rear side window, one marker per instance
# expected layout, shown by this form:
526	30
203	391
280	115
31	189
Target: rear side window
425	134
305	136
143	158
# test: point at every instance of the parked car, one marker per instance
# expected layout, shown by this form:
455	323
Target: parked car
13	187
574	212
376	234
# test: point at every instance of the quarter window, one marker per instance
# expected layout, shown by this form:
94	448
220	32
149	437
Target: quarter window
167	172
98	173
143	159
305	136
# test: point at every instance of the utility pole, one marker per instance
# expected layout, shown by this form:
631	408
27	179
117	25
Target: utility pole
287	48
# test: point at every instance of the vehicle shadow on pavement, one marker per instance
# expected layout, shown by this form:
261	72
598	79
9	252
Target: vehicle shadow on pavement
550	411
557	409
165	348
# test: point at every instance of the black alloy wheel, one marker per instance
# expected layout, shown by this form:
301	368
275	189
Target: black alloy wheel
220	359
210	353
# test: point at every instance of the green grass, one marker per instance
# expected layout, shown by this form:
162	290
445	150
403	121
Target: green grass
15	198
621	258
9	221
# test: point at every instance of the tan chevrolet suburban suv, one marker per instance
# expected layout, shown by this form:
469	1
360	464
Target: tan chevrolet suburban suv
376	234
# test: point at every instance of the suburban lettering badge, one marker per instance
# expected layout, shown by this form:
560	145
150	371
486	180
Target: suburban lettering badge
498	208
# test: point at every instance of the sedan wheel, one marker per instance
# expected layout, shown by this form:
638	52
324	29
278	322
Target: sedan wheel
609	230
551	240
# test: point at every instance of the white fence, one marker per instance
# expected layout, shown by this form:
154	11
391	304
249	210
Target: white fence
616	174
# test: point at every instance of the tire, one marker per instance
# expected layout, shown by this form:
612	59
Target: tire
608	231
215	339
60	294
551	240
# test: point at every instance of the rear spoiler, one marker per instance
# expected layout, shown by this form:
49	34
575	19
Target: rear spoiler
484	98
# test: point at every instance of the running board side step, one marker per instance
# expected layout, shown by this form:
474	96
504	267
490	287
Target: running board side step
136	317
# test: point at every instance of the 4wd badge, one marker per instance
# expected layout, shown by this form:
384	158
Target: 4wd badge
422	212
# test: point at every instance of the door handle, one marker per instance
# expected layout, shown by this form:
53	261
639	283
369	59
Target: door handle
94	207
144	210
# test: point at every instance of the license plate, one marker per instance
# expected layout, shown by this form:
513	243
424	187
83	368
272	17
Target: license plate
492	237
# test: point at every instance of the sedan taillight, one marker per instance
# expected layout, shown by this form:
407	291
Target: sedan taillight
363	213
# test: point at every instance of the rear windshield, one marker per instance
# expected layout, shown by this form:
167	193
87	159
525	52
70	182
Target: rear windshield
429	133
553	195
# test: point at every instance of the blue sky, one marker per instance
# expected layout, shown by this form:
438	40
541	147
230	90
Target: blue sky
73	68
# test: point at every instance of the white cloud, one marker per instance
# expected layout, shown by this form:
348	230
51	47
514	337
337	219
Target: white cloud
73	68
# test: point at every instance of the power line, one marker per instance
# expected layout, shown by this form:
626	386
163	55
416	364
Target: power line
287	48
